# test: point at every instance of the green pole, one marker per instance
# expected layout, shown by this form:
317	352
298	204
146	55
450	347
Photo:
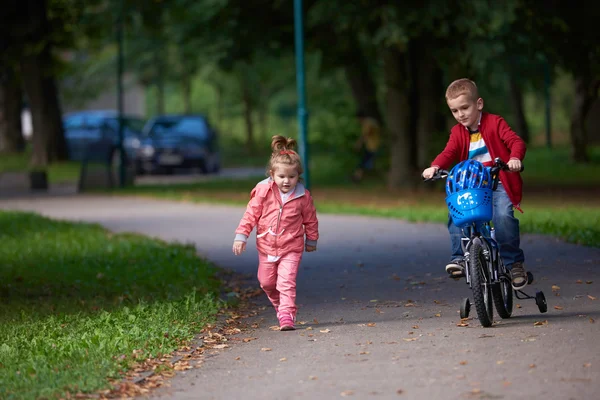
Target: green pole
301	88
120	92
547	84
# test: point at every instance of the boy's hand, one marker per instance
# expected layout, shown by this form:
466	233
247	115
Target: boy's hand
514	164
310	248
239	247
429	172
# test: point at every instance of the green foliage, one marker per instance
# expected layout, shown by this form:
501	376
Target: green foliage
81	305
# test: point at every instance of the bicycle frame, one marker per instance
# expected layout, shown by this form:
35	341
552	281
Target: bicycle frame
483	231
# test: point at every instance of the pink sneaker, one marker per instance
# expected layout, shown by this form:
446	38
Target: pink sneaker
286	323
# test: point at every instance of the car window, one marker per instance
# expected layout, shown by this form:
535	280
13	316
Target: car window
196	127
73	122
94	121
130	125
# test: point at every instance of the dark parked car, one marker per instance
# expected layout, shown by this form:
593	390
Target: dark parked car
84	128
178	141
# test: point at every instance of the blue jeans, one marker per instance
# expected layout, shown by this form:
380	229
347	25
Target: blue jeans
507	230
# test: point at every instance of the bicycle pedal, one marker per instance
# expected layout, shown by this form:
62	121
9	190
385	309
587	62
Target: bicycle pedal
457	275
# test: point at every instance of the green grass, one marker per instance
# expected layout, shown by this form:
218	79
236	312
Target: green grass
79	305
553	167
60	172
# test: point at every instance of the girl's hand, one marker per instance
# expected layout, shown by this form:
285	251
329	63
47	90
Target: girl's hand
239	247
310	248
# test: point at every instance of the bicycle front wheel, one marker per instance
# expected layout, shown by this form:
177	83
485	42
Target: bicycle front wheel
480	284
502	292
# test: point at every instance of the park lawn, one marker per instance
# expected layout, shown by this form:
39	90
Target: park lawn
80	305
560	198
60	172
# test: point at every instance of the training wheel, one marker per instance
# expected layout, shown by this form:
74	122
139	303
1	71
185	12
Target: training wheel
540	300
529	278
465	308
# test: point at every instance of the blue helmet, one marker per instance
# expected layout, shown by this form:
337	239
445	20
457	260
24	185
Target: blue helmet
468	174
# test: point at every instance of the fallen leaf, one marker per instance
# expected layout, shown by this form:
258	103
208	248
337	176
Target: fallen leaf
592	320
518	306
410	339
364	352
589	282
238	358
415	327
409	305
399	391
438	315
265	349
312	378
591	297
371	324
506	383
587	365
558	308
476	391
462	324
220	346
500	362
301	323
347	393
463	362
248	339
315	321
283	359
325	331
555	288
274	328
309	328
579	281
540	323
532	365
374	301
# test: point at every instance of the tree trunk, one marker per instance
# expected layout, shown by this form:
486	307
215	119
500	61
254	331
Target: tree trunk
397	110
586	91
49	143
160	96
187	92
38	80
248	110
11	133
362	85
428	94
516	95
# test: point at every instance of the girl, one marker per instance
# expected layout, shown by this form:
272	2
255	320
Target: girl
283	212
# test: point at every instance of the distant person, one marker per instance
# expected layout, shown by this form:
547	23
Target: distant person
482	137
367	144
282	209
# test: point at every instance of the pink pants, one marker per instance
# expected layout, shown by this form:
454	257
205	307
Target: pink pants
278	280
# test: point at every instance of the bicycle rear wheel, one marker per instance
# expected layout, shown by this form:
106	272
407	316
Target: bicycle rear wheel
480	284
502	292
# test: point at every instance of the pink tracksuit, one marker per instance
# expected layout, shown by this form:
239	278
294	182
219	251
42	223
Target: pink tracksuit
280	231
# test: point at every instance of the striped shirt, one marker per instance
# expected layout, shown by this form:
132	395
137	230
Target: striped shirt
478	151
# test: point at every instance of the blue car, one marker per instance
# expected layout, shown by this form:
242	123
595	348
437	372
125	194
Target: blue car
178	141
85	128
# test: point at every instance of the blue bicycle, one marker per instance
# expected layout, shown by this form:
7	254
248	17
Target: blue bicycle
471	209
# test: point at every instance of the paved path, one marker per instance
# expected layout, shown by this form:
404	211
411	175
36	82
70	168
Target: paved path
356	286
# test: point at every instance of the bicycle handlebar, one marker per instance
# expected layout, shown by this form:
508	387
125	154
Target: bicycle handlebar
499	165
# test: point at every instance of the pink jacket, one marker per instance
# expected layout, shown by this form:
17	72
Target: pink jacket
280	227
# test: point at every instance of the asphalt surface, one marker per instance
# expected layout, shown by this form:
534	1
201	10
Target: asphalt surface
379	314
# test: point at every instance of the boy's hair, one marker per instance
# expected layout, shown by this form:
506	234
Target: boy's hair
283	153
460	87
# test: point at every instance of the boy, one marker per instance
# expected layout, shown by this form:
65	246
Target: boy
482	136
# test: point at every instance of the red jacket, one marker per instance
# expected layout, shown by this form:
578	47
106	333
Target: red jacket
500	140
280	228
